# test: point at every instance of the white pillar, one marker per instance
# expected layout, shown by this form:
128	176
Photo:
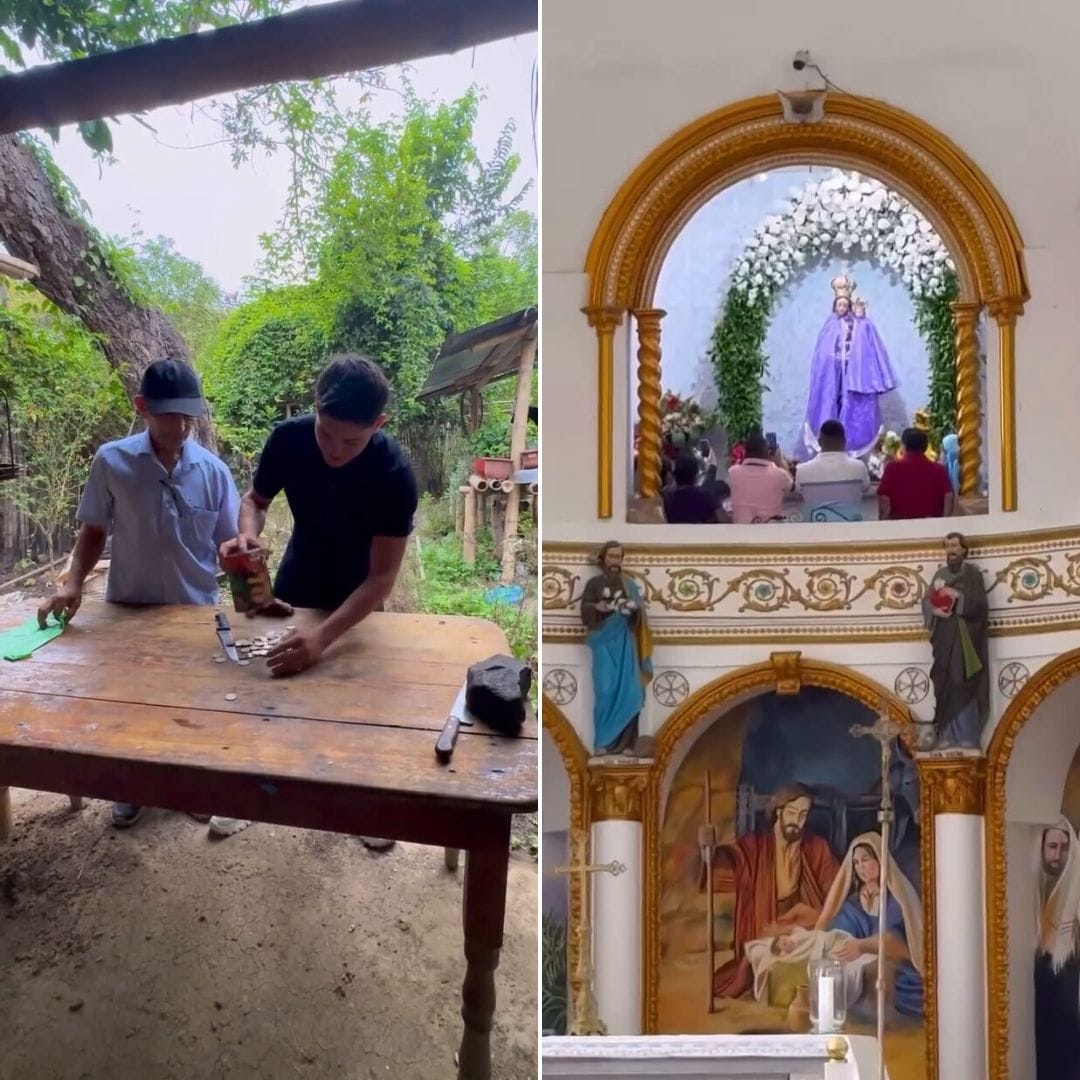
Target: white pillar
616	926
961	946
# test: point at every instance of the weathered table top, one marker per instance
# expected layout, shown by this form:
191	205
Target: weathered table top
128	703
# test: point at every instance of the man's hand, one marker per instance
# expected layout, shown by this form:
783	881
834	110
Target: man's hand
63	604
297	651
238	545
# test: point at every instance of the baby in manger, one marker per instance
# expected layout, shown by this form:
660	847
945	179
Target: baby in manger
847	930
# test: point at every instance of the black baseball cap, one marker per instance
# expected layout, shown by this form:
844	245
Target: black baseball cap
171	386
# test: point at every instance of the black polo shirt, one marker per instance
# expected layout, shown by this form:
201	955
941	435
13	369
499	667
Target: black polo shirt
336	512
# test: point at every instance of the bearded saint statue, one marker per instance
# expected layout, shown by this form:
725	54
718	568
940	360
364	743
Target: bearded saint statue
849	372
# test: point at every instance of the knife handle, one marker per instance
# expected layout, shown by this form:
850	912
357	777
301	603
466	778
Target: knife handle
444	746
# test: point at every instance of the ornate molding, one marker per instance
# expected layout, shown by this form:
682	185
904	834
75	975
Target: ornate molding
786	668
575	760
617	790
869	592
1039	686
956	785
604	321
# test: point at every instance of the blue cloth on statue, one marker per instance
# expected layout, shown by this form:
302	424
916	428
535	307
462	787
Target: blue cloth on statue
617	685
908	988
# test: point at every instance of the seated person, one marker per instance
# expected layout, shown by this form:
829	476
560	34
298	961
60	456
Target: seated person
832	484
758	484
687	502
913	486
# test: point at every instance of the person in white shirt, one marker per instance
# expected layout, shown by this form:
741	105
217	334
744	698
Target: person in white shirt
833	484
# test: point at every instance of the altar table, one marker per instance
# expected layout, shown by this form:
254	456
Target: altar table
706	1057
128	704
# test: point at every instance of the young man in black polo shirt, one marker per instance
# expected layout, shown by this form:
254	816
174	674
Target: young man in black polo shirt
353	497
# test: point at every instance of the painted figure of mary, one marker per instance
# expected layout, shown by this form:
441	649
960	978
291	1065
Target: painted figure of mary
849	372
852	906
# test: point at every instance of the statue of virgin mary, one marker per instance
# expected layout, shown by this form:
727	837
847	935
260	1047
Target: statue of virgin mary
849	372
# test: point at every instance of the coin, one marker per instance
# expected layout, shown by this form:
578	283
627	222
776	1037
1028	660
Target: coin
243	643
230	697
219	659
244	663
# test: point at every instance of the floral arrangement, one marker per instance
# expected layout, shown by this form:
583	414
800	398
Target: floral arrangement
845	213
681	419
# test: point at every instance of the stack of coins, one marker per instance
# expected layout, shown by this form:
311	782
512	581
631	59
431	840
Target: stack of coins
247	648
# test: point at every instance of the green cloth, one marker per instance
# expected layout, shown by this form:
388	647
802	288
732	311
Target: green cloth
19	643
972	663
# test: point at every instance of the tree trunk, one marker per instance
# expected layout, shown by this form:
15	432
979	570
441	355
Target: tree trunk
35	226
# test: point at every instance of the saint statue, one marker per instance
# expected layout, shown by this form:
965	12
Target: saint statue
613	611
957	614
849	372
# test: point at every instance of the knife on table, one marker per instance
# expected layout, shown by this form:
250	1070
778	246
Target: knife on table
225	636
459	715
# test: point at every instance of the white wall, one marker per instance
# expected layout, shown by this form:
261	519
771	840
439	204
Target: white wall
621	76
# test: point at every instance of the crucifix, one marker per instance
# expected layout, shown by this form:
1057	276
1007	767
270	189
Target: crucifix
586	1017
884	730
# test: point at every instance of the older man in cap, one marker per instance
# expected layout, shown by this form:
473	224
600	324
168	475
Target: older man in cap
169	503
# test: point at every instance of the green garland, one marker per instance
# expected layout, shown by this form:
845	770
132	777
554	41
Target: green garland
740	364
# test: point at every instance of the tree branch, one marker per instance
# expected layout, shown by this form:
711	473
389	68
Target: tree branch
316	42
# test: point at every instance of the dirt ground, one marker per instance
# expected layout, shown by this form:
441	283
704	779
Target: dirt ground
157	953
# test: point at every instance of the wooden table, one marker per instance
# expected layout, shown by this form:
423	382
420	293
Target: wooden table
129	705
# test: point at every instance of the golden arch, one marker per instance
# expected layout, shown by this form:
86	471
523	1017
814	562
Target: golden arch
575	759
677	178
1040	685
784	673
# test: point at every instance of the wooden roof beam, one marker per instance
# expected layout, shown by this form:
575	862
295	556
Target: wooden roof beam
316	42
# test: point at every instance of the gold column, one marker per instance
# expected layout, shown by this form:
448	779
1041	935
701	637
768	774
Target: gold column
949	786
617	791
968	399
1005	313
649	391
604	320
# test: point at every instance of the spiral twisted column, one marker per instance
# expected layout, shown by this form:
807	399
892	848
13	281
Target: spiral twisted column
604	320
1005	313
649	394
968	418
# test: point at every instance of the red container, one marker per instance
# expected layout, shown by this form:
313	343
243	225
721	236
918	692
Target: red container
496	468
249	579
530	459
478	466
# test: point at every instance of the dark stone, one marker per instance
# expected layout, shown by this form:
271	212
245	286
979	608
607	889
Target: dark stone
496	692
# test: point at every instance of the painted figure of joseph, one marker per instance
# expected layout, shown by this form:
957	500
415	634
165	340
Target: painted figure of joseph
780	877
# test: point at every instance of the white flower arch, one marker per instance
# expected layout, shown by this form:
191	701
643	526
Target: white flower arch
844	212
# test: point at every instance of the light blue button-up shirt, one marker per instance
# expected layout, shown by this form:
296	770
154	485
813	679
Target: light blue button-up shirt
165	529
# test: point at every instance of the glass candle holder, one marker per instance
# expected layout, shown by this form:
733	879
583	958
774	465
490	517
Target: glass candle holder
828	1003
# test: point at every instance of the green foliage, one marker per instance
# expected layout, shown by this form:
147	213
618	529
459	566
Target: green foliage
264	360
554	977
934	320
418	238
491	440
181	288
739	363
65	400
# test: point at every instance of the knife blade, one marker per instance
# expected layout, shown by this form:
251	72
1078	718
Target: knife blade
459	715
225	636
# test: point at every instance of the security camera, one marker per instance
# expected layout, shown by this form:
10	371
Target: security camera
802	58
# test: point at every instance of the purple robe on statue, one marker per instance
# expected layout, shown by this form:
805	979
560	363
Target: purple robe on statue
848	374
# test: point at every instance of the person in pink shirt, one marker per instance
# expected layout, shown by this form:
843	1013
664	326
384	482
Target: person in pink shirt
758	485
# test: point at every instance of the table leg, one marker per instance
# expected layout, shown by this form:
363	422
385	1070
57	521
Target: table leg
450	857
6	822
485	907
76	802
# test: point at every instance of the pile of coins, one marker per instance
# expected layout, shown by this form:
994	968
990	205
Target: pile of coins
246	648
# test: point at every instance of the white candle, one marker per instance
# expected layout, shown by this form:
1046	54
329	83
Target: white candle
826	1011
